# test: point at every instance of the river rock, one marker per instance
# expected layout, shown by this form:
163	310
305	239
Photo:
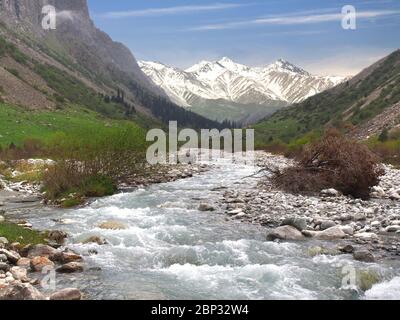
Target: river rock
12	256
3	241
4	267
3	258
330	193
326	224
70	267
285	233
333	233
366	236
67	256
24	262
95	239
57	236
393	228
297	222
367	278
19	273
20	291
347	230
41	250
206	207
2	219
364	256
113	225
70	294
347	249
38	263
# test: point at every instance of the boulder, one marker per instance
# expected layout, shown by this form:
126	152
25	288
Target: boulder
285	233
19	273
24	262
57	236
206	207
347	230
366	236
326	224
364	256
41	250
347	249
333	233
330	193
4	267
70	267
20	291
12	256
67	256
378	191
2	219
3	258
95	239
3	241
392	228
113	225
70	294
296	222
38	263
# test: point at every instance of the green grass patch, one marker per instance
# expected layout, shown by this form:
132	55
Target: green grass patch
70	125
15	233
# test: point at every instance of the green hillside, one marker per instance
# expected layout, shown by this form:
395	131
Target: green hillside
346	106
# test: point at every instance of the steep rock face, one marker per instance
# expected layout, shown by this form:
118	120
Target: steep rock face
76	34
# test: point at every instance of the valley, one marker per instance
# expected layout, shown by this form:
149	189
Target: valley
316	217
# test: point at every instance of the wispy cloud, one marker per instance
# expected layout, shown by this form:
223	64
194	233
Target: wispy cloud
170	10
292	19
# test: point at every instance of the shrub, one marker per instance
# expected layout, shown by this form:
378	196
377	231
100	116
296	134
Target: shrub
333	162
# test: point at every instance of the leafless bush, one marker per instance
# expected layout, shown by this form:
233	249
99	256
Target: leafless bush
333	162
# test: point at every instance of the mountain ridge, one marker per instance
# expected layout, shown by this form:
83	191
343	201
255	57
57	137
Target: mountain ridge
363	106
76	52
274	85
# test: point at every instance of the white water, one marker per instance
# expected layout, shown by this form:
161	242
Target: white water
173	251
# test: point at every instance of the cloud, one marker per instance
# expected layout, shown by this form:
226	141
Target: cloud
170	10
293	19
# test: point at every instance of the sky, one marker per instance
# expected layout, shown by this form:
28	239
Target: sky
308	33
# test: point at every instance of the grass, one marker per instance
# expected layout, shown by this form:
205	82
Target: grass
15	233
18	124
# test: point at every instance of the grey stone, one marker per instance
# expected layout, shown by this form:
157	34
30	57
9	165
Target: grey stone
70	267
285	233
12	256
299	223
364	256
20	291
326	224
70	294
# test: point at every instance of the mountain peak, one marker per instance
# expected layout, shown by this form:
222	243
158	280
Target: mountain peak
284	65
225	60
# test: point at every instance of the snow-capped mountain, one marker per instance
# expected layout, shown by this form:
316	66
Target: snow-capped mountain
272	86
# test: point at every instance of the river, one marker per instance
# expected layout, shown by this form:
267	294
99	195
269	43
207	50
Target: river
170	250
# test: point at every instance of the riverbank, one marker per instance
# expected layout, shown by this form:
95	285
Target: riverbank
371	226
22	263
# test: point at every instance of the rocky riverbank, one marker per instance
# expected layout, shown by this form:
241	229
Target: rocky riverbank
26	270
23	268
371	227
17	193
